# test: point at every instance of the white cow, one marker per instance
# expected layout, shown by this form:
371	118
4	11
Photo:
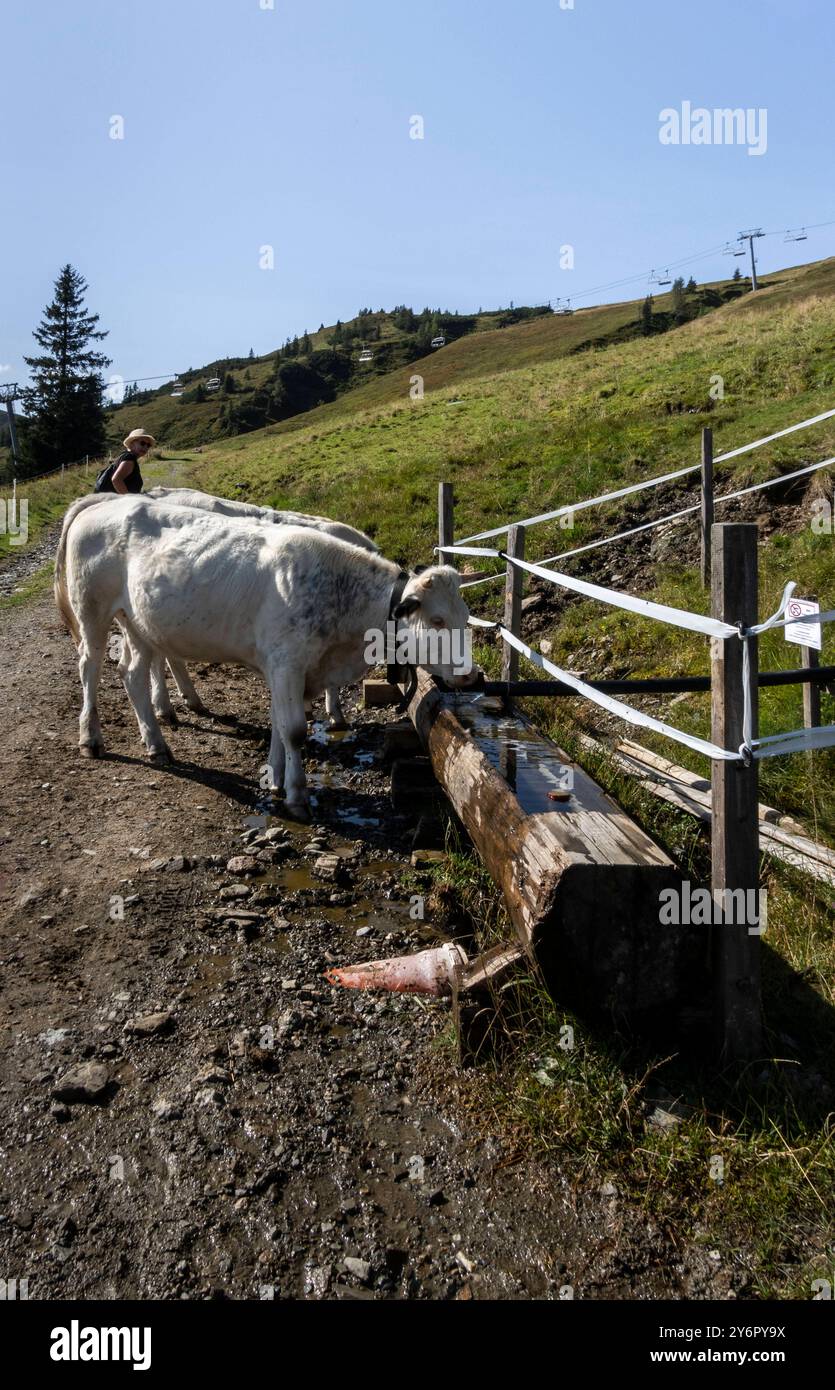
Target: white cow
290	602
224	506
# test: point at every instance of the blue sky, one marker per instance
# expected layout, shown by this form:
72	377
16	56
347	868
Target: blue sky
290	127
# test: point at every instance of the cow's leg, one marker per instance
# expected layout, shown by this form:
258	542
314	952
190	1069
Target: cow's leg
160	697
290	727
276	758
91	653
186	687
333	708
137	679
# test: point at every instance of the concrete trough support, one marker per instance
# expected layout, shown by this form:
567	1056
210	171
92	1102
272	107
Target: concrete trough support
581	881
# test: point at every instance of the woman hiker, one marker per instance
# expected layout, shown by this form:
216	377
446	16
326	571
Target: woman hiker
123	475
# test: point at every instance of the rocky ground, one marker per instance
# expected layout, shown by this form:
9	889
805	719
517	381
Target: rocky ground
188	1109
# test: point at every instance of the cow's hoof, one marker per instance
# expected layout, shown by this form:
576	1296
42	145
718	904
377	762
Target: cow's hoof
168	717
340	724
297	810
200	708
91	750
160	755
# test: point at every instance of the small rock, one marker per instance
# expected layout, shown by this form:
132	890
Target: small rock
152	866
417	1168
360	1269
147	1025
234	890
85	1083
243	864
165	1109
663	1120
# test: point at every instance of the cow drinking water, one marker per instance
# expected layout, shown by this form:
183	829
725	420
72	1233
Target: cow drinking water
291	602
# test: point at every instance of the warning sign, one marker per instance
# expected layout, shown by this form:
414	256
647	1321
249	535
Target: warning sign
805	634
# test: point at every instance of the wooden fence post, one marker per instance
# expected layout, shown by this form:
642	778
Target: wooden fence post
734	825
810	660
446	522
707	502
514	587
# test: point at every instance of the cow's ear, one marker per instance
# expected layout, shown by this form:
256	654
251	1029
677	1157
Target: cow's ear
407	606
418	569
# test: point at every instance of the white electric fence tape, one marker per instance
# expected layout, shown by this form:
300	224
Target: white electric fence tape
649	525
677	617
758	443
776	744
649	482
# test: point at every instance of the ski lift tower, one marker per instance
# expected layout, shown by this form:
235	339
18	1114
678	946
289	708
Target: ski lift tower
9	393
750	236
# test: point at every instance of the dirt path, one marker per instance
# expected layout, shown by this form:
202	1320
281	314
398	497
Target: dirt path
274	1127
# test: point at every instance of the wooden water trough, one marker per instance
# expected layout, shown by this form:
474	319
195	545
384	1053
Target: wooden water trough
581	881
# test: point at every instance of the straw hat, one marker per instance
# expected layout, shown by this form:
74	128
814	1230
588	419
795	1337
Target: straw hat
138	434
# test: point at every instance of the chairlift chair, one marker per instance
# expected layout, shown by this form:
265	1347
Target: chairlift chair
438	342
796	236
213	384
177	388
366	355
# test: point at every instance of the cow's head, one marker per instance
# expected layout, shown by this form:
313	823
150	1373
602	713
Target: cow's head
432	617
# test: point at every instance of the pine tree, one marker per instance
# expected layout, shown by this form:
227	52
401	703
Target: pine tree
737	273
64	404
646	315
691	285
251	353
305	348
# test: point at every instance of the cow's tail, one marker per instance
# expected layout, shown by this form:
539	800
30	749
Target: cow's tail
62	598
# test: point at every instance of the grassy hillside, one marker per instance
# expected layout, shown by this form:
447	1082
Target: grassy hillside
520	425
475	344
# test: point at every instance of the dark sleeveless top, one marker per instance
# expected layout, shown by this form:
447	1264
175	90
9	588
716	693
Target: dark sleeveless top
133	483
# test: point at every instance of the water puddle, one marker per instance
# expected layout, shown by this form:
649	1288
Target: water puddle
528	763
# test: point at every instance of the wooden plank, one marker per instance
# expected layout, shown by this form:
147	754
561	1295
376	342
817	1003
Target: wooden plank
581	882
734	824
781	837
